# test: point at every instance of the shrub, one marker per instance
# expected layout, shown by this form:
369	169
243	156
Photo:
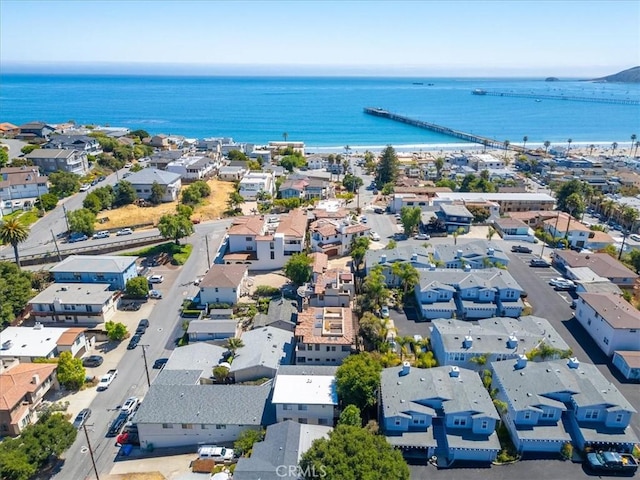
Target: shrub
566	451
266	291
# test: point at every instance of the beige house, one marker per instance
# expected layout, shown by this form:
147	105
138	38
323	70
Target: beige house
324	336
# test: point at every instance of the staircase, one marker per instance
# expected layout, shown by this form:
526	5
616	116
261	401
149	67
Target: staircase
440	436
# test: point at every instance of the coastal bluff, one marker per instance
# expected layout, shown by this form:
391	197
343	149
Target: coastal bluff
631	75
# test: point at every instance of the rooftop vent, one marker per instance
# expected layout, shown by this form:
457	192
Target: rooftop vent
406	369
467	267
432	266
383	258
490	251
468	341
521	362
573	362
459	253
512	342
414	257
37	326
454	372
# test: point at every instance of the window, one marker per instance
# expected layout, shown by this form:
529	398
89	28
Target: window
216	289
619	417
592	414
605	340
397	422
317	347
187	426
484	425
547	414
527	415
167	425
302	408
286	406
221	427
249	248
203	426
459	421
248	239
272	255
323	421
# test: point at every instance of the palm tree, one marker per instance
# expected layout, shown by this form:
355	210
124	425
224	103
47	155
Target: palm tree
285	135
403	342
409	277
506	144
525	139
591	147
233	344
637	146
633	139
547	144
614	145
490	233
569	145
14	232
629	218
485	142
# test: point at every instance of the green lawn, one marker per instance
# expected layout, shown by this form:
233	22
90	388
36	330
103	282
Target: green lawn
28	218
179	253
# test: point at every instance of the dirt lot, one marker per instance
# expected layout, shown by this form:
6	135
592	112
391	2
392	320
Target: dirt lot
132	215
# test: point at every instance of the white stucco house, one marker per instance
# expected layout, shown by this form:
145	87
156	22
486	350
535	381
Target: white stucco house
223	284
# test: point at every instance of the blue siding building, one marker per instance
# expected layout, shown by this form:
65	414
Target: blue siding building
114	270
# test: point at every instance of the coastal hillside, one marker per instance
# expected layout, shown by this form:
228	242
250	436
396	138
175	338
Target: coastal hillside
632	75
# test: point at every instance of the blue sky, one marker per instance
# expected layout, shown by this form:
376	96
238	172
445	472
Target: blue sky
475	38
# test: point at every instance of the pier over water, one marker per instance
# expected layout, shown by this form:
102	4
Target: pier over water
468	137
617	101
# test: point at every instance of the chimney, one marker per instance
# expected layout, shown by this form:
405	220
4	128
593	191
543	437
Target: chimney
513	341
383	258
459	254
521	362
467	267
468	341
454	372
432	266
406	368
414	257
490	251
573	362
37	326
35	379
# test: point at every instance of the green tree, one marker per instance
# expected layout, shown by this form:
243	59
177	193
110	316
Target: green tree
387	167
15	291
48	201
298	268
125	194
351	183
64	184
359	247
375	290
490	233
373	330
353	453
175	227
408	277
13	232
292	161
106	195
358	379
27	149
221	373
574	205
350	416
439	164
245	441
634	259
235	200
410	218
237	156
82	221
480	214
202	187
92	202
116	331
191	196
233	344
184	210
157	193
4	156
139	134
71	373
137	287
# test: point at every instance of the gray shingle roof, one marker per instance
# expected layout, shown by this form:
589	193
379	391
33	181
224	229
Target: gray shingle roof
399	254
280	310
487	278
94	263
490	335
202	356
267	347
147	176
476	251
526	386
179	377
207	404
455	210
284	444
212	326
75	293
413	391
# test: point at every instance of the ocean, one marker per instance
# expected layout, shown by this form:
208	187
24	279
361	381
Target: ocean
327	112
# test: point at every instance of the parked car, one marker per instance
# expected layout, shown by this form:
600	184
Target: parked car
634	237
133	343
77	237
422	236
101	234
558	281
130	405
219	454
521	249
82	417
144	322
385	311
124	231
84	187
563	284
156	279
539	262
142	326
130	307
155	294
102	178
92	361
363	219
374	236
197	281
160	363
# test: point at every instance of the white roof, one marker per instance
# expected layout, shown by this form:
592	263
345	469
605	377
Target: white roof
38	341
305	389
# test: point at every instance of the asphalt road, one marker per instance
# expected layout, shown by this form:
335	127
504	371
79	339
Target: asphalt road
165	327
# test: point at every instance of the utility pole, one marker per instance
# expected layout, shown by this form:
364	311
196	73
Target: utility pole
93	460
64	209
55	242
206	241
146	366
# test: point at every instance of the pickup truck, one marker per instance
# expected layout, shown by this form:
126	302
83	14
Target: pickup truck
613	462
106	379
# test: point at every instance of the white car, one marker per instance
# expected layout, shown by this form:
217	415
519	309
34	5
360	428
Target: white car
156	279
129	405
634	237
385	311
85	187
422	236
562	283
374	236
124	231
101	234
156	294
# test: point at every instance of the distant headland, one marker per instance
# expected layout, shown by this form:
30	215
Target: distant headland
631	75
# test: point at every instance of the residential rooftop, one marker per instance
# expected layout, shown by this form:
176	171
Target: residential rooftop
614	309
224	276
94	264
74	294
305	389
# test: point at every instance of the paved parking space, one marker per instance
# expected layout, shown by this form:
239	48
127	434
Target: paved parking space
407	325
